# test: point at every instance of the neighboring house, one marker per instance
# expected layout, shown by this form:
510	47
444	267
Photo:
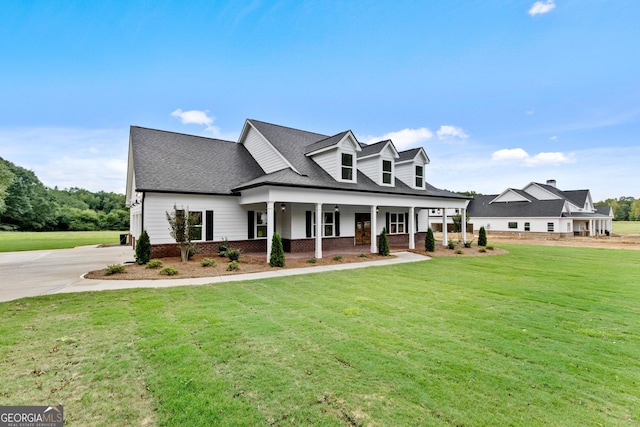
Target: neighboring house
541	208
318	192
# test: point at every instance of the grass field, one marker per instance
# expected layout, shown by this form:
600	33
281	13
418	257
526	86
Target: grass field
11	241
541	336
626	227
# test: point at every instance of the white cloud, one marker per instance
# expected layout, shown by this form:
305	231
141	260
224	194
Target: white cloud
520	156
507	154
403	139
554	138
450	132
542	7
199	118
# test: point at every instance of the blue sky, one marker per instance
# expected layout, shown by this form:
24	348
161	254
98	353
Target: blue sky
500	93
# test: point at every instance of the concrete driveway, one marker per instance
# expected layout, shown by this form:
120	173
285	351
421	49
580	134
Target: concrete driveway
32	273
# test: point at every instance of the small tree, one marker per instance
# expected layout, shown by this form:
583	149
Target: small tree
430	241
143	248
277	252
383	243
482	237
180	224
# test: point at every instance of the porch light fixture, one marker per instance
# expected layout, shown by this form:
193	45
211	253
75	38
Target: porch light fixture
337	209
283	207
377	209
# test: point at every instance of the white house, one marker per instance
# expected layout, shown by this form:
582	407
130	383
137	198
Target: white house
541	208
318	192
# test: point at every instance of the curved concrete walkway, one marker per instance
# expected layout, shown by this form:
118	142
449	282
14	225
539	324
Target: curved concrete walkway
24	274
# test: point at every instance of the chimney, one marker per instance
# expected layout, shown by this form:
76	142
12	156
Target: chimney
551	182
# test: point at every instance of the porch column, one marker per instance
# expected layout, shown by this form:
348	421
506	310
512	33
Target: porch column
319	230
374	227
412	227
445	240
463	224
270	228
591	228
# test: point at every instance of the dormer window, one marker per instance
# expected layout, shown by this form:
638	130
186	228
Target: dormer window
347	167
386	172
419	176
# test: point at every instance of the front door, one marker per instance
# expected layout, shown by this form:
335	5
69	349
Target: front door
363	228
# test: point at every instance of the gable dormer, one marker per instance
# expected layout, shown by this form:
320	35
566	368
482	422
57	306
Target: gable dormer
262	150
510	195
542	191
337	155
377	161
410	167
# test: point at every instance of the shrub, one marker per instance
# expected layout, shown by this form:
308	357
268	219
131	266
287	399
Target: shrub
451	244
383	243
468	244
154	263
277	252
363	255
169	271
312	260
489	248
191	250
233	266
223	247
233	254
459	252
143	248
337	257
429	241
482	250
114	269
482	237
208	262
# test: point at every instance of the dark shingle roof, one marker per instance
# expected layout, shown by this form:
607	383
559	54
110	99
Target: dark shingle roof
174	162
169	161
325	143
480	206
408	154
369	149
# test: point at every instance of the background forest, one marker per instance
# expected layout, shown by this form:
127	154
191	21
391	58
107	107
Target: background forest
28	205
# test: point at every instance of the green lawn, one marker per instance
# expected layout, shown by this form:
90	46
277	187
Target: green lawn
541	336
11	241
626	227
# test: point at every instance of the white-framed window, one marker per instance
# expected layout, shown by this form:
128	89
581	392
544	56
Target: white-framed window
396	223
347	166
328	225
196	223
527	226
513	225
387	172
550	226
419	176
261	225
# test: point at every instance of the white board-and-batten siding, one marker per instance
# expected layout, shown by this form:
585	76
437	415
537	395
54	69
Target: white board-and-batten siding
269	159
229	218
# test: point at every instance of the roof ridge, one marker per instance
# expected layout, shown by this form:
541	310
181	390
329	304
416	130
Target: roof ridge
184	134
290	128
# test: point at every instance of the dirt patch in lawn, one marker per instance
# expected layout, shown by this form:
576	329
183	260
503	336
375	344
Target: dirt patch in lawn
461	251
247	264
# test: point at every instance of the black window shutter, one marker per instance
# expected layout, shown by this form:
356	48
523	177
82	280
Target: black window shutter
209	226
308	223
250	223
406	222
337	225
388	221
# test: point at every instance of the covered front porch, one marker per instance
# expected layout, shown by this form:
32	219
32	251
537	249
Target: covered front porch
326	222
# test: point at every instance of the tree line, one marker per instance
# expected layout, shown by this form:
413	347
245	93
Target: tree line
28	205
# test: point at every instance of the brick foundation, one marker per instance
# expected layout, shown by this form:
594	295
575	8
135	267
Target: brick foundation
171	249
527	235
